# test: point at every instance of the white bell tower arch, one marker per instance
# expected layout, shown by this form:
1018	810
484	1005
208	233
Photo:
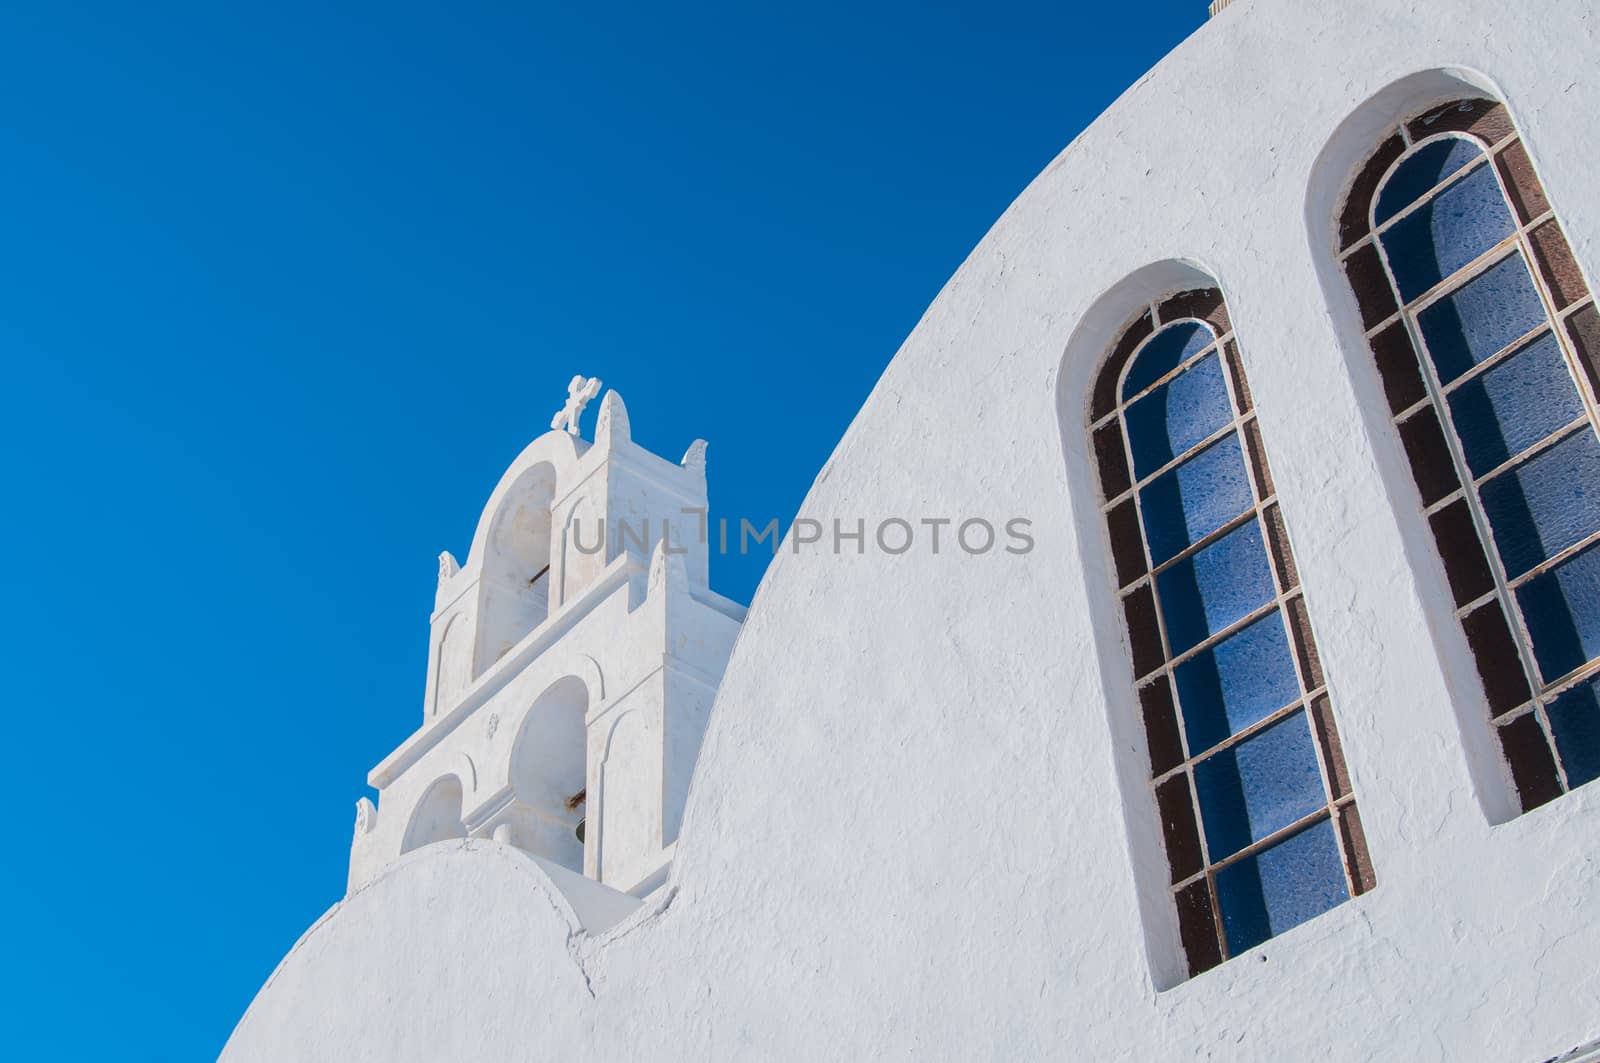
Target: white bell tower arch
572	662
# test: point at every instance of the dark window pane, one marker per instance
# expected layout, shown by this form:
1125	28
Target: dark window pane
1170	348
1575	722
1560	269
1462	552
1215	586
1516	404
1397	365
1281	887
1450	230
1584	327
1241	386
1259	786
1203	303
1546	504
1562	611
1481	318
1418	175
1144	637
1198	927
1177	415
1186	504
1258	459
1353	219
1533	768
1355	849
1522	183
1304	645
1177	826
1278	542
1105	385
1374	294
1484	119
1127	549
1431	464
1161	726
1494	650
1241	680
1332	751
1113	459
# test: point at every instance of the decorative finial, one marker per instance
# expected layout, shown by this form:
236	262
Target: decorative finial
666	565
611	425
579	392
694	459
366	817
448	565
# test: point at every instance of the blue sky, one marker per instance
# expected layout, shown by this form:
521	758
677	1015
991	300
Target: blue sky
284	289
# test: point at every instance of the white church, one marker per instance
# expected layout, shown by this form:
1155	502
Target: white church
1274	737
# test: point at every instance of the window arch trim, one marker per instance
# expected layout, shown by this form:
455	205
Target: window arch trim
1423	196
1176	370
1177	759
1485	586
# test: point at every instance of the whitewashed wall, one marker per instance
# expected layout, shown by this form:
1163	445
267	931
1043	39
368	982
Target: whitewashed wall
919	825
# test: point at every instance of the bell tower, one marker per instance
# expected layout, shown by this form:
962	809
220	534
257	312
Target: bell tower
572	662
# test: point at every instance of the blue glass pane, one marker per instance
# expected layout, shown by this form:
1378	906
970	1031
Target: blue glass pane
1421	172
1177	415
1261	785
1514	405
1455	227
1562	610
1281	887
1546	504
1213	587
1187	503
1575	720
1244	678
1481	318
1164	352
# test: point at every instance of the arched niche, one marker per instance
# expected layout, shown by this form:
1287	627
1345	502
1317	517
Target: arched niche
437	816
454	668
1332	193
1097	330
631	818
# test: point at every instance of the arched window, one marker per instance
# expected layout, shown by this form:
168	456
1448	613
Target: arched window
1486	340
1257	812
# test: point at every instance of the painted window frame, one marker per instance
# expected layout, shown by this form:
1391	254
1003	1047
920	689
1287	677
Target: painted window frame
1193	872
1500	641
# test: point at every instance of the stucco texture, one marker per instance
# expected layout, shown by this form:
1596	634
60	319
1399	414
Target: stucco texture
920	824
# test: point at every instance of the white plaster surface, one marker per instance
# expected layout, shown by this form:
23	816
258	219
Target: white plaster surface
919	825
